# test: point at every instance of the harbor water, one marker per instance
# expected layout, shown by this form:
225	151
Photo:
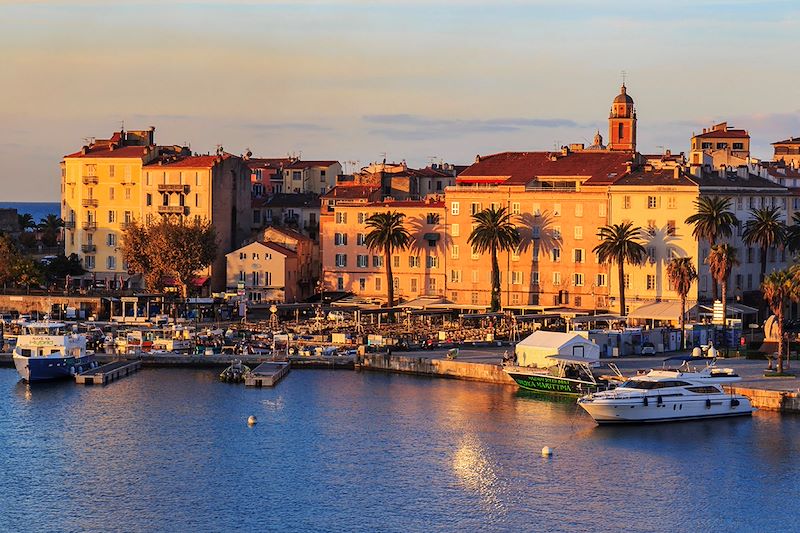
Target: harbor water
171	450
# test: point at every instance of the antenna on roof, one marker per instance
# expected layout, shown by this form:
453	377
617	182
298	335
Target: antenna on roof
624	77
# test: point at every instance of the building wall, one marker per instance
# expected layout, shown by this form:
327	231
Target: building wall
311	179
277	273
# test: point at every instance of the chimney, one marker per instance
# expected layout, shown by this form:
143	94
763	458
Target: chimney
743	172
628	166
84	150
565	150
478	158
676	172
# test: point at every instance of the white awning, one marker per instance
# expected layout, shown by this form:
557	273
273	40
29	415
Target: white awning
658	311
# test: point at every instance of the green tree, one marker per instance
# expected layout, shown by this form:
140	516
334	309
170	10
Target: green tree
682	274
26	221
764	229
494	232
62	266
778	288
793	233
27	272
50	226
721	260
619	243
387	233
9	257
712	221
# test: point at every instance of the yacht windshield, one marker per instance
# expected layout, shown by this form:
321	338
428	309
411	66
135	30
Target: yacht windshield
649	385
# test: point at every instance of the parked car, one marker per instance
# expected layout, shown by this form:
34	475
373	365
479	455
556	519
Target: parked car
336	315
648	348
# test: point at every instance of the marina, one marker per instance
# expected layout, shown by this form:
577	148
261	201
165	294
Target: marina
105	374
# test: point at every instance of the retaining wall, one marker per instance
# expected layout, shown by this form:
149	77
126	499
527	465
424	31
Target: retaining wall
769	400
445	368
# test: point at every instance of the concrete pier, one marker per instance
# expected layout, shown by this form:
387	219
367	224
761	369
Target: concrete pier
107	373
769	400
266	375
443	368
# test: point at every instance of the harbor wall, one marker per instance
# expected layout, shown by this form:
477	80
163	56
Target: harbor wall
442	368
44	304
769	400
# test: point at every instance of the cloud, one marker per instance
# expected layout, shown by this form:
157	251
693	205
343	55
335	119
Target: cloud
417	127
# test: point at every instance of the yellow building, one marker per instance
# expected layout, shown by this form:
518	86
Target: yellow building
111	182
720	145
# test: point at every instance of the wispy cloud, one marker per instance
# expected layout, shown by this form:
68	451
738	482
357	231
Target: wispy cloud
418	127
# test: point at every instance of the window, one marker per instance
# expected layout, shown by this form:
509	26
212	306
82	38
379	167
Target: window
601	280
515	208
652	202
515	298
707	146
455	276
341	218
577	255
474	253
396	283
378	283
454	251
340	283
413	261
556	210
516	277
413	284
395	261
537	209
672	202
362	261
651	254
536	232
341	260
626	281
738	146
112	216
361	218
651	228
555	255
432	218
749	282
111	171
475	208
361	239
111	262
722	146
474	298
556	278
601	209
475	275
256	216
111	192
620	131
578	210
454	208
111	239
89	262
515	253
322	175
256	277
671	228
377	261
242	255
362	284
296	175
148	199
432	261
651	282
455	230
340	239
578	232
626	202
739	281
556	233
534	278
577	279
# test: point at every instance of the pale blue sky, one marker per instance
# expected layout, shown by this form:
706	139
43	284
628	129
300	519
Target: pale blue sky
351	80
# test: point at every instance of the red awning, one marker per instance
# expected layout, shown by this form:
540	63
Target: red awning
202	280
170	281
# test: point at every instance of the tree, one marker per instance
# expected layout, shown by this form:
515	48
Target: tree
494	232
26	221
713	219
682	275
793	233
619	243
387	233
169	247
778	288
9	257
50	226
62	266
27	272
764	229
721	260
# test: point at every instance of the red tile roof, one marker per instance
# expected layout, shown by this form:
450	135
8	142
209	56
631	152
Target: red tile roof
103	150
407	203
655	177
311	164
352	191
192	161
288	233
278	248
519	168
790	140
723	134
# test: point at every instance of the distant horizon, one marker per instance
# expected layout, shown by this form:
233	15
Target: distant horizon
421	81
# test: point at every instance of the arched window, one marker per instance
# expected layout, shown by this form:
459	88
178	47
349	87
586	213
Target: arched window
619	131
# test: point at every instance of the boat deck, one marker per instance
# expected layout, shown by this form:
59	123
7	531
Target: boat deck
266	374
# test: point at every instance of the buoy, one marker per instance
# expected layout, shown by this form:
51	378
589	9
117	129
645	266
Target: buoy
251	421
547	451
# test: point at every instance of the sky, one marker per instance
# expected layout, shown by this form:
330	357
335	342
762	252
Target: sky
354	80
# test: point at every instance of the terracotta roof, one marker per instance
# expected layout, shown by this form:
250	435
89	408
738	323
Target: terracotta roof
288	232
790	140
519	168
311	164
713	179
782	171
352	191
103	150
292	200
723	134
407	203
655	177
278	248
267	162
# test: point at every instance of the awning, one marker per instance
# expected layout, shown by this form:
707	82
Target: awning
431	236
200	281
597	318
658	311
574	359
733	310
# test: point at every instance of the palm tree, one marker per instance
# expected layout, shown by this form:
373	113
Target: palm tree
713	219
682	274
26	221
50	226
764	229
619	243
777	288
494	232
387	234
793	233
721	260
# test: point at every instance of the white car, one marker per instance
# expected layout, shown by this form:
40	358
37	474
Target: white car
648	348
336	315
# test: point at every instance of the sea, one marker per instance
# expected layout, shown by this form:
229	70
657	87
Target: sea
38	210
170	450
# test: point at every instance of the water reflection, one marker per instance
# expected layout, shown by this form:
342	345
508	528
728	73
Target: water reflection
476	472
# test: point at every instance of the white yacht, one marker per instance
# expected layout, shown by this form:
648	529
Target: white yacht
669	394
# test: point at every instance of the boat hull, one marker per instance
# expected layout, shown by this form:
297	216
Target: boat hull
34	369
542	382
665	409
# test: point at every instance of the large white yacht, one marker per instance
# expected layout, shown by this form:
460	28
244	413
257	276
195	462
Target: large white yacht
669	394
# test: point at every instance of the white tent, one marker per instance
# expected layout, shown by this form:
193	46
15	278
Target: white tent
535	349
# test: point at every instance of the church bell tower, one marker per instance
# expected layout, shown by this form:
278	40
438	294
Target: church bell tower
622	123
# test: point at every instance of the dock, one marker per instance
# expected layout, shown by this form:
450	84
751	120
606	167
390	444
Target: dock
108	372
266	374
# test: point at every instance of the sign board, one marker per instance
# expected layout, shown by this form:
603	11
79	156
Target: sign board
717	317
375	340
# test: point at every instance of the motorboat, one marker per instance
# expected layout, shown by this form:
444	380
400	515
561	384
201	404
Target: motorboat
48	350
685	392
564	374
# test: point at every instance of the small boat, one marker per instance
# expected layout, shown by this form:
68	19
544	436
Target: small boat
567	375
235	373
48	350
669	394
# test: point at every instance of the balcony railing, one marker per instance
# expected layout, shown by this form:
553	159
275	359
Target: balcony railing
173	209
89	202
89	225
88	248
125	224
90	180
173	187
69	224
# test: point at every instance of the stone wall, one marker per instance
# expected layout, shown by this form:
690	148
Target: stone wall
446	368
769	400
44	304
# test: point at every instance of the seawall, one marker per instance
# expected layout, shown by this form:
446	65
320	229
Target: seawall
441	368
769	400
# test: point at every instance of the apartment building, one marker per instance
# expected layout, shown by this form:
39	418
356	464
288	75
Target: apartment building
317	177
721	145
266	271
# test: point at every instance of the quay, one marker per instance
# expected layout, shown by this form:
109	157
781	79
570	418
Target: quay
107	373
266	374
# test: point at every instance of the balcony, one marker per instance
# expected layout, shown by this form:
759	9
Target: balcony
173	187
89	225
89	202
173	209
126	224
88	248
90	180
69	224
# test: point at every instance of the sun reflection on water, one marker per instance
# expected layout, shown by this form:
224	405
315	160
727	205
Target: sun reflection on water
476	472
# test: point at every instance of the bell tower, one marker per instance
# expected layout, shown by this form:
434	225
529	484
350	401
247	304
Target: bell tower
622	123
